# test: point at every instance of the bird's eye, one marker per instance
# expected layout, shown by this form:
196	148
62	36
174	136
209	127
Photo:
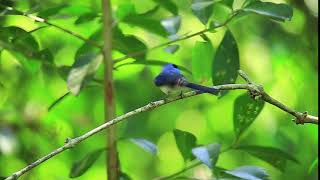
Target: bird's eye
175	66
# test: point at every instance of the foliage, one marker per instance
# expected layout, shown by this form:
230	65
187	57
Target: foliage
46	71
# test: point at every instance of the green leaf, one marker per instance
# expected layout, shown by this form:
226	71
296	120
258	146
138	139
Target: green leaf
245	112
63	11
168	5
127	14
249	173
124	176
202	54
207	154
228	3
171	24
226	61
80	167
279	12
128	44
145	144
153	63
202	9
172	48
313	166
82	71
185	142
3	94
86	18
274	156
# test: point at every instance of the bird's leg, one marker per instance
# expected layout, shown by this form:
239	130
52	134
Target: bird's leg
181	95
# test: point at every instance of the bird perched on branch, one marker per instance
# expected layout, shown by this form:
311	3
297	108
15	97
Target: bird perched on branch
170	80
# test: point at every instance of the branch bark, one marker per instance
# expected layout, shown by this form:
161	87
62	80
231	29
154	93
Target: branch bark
255	90
113	169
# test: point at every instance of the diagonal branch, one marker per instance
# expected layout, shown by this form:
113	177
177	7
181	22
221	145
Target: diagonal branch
45	21
255	90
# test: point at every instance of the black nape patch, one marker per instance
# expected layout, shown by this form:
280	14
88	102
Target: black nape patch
175	66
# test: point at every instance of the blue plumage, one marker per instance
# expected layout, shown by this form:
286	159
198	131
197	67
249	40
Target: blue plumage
171	79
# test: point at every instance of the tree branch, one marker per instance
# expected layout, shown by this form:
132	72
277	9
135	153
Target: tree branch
254	90
45	21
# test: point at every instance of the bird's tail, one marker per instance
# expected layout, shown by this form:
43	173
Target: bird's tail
202	88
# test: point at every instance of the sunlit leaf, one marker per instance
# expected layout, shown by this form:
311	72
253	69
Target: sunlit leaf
168	5
280	12
226	61
171	48
313	166
249	173
82	70
274	156
86	18
81	166
202	9
185	142
202	54
171	24
52	105
145	144
245	112
208	154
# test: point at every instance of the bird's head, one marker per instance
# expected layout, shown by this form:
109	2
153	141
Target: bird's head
171	68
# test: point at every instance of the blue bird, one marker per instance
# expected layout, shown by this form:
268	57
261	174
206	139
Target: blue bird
171	80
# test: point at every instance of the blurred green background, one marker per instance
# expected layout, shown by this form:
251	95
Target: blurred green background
280	56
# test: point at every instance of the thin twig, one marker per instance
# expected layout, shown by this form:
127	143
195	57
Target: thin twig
45	21
177	40
254	89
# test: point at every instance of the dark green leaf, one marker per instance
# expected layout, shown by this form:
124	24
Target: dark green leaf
3	94
153	62
128	44
64	11
202	9
226	61
249	173
127	14
274	156
125	10
280	12
245	112
145	144
82	71
313	166
171	24
185	142
81	166
124	176
202	54
172	48
168	5
86	18
207	154
228	3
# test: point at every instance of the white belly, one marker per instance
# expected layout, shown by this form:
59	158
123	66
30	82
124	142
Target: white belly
171	90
